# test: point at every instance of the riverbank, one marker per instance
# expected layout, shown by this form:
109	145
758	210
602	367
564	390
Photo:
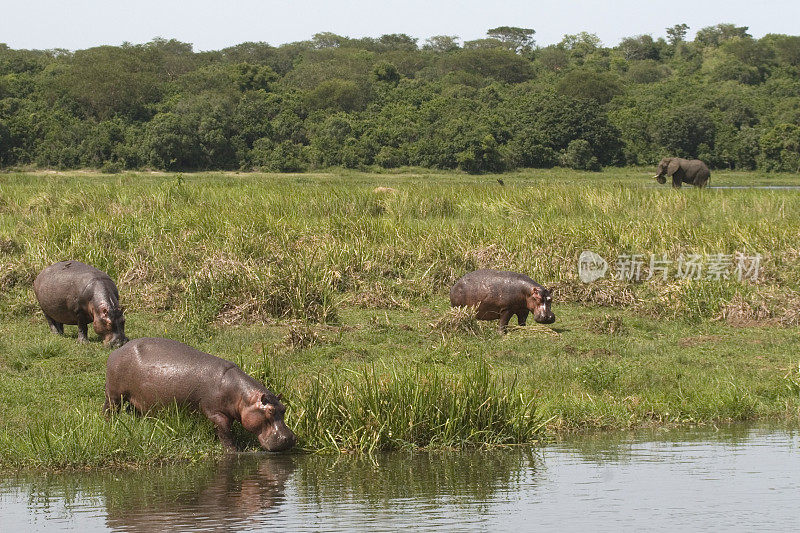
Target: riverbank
357	386
336	296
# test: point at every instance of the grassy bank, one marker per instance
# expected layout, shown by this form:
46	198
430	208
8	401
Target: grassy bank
331	293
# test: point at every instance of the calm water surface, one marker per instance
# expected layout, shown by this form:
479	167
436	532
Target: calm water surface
732	479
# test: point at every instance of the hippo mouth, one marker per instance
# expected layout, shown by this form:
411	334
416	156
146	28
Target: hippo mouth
549	319
278	441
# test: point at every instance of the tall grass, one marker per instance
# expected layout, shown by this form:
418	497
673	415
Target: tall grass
366	411
370	411
231	249
244	249
82	437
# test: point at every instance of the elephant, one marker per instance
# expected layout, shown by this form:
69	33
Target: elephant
692	171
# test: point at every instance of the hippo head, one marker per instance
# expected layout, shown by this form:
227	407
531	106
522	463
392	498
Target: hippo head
263	416
109	324
662	170
539	304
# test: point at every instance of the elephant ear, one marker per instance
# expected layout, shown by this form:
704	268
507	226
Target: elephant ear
673	167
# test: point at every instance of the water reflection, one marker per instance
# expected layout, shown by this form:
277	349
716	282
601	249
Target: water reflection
220	495
428	477
223	498
737	477
622	447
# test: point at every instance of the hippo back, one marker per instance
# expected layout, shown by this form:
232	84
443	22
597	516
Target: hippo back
155	371
486	284
61	289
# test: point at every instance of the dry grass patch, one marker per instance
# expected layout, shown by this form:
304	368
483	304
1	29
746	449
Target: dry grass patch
458	320
608	325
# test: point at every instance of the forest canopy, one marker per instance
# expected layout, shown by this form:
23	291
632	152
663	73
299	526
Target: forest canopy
491	104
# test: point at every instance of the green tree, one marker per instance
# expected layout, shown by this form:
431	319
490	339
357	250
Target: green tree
599	86
397	41
786	47
495	64
715	35
638	48
485	44
108	81
579	156
441	43
337	94
5	144
581	44
328	39
517	39
681	131
677	34
647	71
254	77
780	148
386	72
553	58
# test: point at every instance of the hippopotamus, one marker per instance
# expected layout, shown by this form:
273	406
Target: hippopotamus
70	292
498	294
153	372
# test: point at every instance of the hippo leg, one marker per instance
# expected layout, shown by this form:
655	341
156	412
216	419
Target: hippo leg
83	332
111	405
505	316
522	317
55	327
223	425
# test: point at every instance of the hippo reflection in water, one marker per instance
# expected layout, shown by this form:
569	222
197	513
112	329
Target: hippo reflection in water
214	497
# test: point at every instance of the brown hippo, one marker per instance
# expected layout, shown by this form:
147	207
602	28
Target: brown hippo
71	292
498	294
151	372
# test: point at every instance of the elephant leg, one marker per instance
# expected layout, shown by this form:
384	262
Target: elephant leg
676	181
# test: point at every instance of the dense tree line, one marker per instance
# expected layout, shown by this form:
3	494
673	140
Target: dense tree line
491	104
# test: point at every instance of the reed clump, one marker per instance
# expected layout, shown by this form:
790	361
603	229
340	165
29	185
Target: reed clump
81	437
373	410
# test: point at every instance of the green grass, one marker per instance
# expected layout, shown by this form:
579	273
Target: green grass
336	296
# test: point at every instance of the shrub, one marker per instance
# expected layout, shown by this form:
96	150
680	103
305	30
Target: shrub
579	156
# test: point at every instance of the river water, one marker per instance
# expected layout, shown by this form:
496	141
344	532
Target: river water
733	479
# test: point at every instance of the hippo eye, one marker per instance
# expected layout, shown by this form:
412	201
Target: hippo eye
264	399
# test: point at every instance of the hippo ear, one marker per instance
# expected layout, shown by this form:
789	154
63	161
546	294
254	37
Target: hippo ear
279	397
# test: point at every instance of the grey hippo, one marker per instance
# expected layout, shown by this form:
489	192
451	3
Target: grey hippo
153	372
500	295
71	292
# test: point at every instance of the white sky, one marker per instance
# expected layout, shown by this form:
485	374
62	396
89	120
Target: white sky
211	25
